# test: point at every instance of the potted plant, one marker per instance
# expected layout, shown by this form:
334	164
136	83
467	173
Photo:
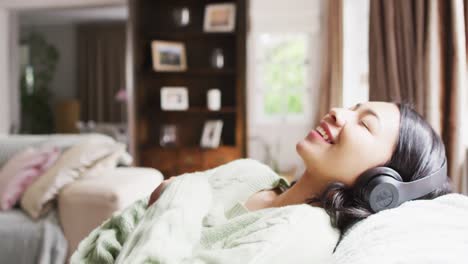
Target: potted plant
36	112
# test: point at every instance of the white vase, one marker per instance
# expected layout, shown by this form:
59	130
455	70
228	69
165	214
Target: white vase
213	99
217	59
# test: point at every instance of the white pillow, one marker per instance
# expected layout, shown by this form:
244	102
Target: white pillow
421	231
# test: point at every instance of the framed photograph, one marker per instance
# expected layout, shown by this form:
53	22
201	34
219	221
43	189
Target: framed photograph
211	135
174	98
220	17
168	56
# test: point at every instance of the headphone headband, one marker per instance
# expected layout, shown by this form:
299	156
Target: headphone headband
419	188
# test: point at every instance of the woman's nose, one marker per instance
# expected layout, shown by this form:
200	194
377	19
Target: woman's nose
339	116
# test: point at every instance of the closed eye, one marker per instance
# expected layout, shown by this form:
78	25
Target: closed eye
364	125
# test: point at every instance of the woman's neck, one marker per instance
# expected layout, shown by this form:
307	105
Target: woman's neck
305	188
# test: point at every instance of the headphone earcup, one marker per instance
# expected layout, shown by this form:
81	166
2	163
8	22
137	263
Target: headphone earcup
383	193
377	187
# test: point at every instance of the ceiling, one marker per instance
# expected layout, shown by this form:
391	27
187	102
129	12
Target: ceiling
73	15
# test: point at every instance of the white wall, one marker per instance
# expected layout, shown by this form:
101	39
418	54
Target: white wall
4	91
355	52
9	113
282	16
63	38
14	72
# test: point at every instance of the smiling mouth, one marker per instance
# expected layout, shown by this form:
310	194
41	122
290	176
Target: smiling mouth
324	134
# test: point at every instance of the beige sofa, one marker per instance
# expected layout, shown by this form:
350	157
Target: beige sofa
86	203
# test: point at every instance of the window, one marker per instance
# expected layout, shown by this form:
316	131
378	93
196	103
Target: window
281	75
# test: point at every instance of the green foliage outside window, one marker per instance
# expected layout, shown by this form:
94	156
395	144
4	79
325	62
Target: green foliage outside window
284	74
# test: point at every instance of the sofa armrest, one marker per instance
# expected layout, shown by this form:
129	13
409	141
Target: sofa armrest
85	204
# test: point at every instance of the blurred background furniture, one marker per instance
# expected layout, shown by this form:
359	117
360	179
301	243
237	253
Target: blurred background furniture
153	20
82	205
117	131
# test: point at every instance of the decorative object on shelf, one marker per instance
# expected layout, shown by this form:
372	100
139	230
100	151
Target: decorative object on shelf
213	99
168	56
181	16
220	17
217	59
174	98
211	136
168	136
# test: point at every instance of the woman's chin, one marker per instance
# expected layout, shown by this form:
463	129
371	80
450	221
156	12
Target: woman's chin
301	146
309	151
305	148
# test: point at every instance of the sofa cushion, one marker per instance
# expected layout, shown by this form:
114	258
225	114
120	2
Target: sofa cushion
88	202
20	172
81	159
421	231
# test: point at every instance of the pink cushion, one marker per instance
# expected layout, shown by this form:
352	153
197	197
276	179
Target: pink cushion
21	170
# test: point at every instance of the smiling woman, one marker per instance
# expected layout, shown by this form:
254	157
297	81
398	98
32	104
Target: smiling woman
366	136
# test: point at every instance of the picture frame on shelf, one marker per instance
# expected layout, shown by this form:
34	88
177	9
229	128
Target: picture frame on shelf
220	17
174	98
211	136
168	56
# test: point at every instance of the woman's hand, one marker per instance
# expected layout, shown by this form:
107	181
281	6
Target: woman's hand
158	191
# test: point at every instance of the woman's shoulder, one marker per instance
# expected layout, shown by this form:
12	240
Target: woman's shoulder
307	233
309	217
294	222
247	174
246	164
309	221
306	219
244	169
303	211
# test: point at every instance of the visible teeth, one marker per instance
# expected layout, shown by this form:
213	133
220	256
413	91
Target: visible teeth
323	133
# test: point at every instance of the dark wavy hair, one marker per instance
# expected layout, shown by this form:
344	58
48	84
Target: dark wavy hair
419	152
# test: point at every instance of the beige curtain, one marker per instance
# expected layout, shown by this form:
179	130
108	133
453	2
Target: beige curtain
418	54
101	71
331	82
453	69
396	44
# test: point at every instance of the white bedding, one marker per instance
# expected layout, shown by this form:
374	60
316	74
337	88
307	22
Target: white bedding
431	231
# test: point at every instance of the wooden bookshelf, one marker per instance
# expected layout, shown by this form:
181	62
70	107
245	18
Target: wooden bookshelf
152	20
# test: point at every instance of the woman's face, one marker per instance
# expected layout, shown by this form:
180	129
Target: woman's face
347	142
